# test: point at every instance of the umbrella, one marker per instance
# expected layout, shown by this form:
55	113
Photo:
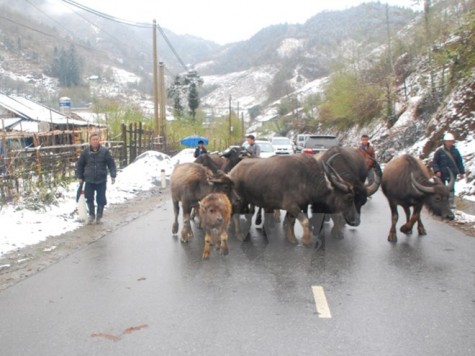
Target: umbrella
192	141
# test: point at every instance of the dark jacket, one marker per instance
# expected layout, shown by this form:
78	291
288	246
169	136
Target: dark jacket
200	151
445	159
92	165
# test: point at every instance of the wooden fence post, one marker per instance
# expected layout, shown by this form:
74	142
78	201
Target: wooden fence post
124	160
141	150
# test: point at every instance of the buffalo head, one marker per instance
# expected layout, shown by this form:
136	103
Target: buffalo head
436	195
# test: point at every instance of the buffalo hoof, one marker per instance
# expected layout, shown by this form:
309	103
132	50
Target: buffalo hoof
421	230
406	230
392	237
175	229
258	219
292	240
240	237
337	234
320	243
307	243
224	251
186	236
205	256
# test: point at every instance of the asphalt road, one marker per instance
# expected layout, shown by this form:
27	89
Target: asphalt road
139	291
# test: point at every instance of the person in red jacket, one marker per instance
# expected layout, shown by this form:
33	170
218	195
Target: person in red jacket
369	155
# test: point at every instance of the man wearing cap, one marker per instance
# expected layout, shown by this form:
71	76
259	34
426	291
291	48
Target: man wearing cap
448	158
253	147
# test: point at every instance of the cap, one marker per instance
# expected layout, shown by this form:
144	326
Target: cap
449	137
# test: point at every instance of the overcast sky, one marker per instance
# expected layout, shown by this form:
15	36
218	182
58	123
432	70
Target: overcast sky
220	20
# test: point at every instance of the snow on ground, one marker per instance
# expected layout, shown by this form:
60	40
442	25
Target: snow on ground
23	227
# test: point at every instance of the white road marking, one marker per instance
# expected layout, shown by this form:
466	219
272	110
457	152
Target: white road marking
323	309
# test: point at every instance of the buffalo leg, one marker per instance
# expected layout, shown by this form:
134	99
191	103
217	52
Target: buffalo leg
186	232
338	225
290	224
407	227
176	211
208	240
416	215
224	250
392	237
303	219
316	225
420	227
237	228
259	216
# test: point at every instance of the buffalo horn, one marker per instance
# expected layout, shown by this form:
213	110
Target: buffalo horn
335	178
419	187
373	187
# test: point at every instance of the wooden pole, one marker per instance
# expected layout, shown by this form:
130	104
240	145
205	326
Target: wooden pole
155	82
163	105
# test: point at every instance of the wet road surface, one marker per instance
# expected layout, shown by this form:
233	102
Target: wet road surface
139	291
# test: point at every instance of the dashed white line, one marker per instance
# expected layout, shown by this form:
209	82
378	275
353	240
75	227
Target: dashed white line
321	303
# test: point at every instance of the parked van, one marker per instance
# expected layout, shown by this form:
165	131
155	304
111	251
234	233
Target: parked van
299	142
319	143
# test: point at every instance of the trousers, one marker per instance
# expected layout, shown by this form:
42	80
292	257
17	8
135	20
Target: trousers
99	190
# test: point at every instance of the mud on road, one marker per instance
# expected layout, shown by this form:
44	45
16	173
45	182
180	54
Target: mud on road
18	265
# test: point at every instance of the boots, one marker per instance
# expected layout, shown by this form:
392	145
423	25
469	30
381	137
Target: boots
100	212
92	216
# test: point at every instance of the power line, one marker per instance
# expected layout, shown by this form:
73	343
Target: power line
107	16
130	23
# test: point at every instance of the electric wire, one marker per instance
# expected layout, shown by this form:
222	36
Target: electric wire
130	23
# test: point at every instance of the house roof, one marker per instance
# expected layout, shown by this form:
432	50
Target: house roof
28	113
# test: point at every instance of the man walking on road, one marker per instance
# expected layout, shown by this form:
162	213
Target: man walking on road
91	168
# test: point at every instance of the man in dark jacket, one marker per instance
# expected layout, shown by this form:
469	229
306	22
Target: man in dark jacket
91	168
448	158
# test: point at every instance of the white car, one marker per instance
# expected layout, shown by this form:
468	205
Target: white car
267	150
185	155
283	145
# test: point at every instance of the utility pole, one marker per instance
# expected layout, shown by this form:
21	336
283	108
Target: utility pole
156	121
163	104
230	127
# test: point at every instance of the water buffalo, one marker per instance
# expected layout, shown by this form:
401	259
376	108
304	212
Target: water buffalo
215	214
191	182
407	182
292	183
350	165
224	161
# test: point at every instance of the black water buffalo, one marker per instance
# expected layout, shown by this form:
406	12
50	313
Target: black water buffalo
191	182
292	183
350	165
407	182
224	161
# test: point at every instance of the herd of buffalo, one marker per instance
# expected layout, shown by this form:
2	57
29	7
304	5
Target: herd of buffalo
221	187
